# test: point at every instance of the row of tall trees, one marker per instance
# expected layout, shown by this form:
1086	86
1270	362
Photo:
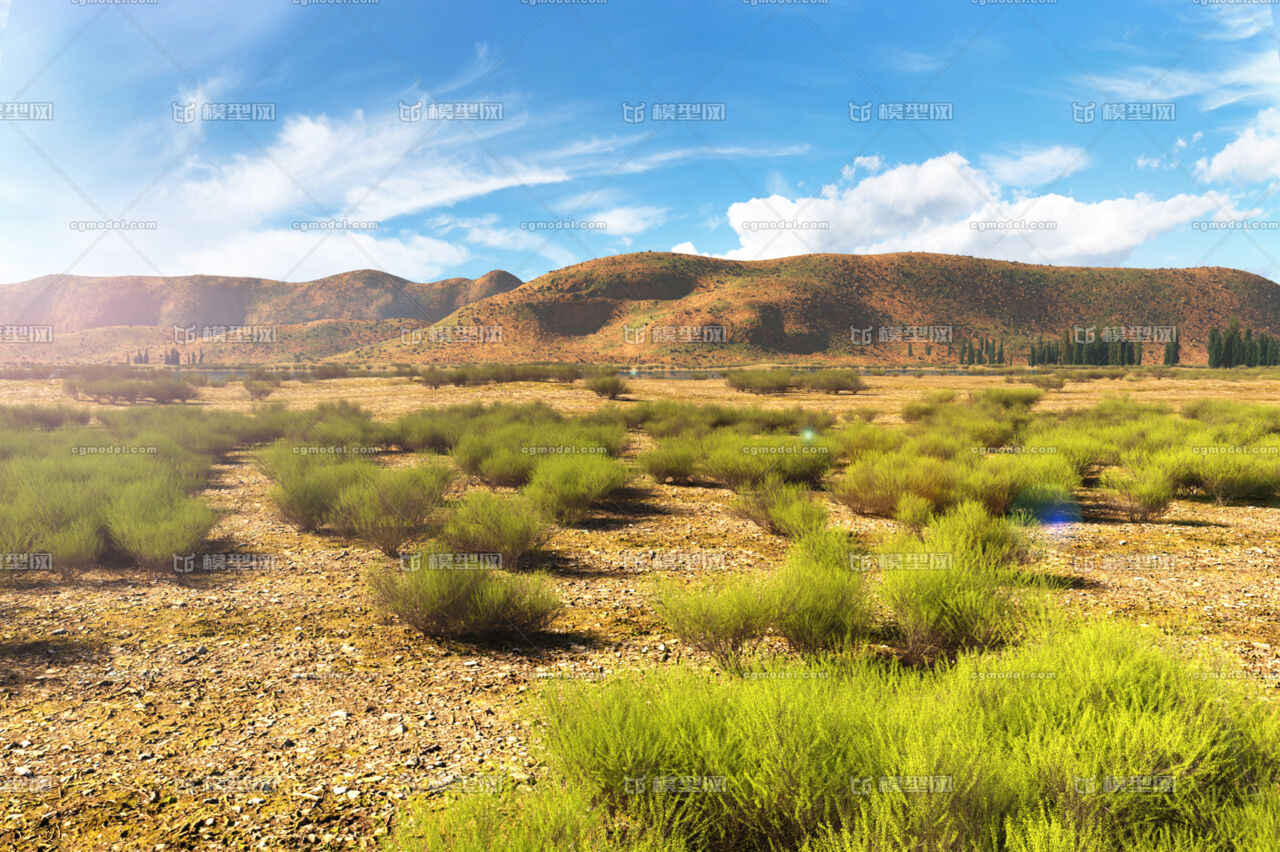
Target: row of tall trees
1096	353
173	358
982	351
1234	348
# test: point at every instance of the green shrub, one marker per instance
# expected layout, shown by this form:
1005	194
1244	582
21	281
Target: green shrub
760	381
673	459
153	526
1228	477
1003	482
609	387
559	818
818	602
258	391
914	512
22	417
467	603
832	381
508	467
564	487
487	523
437	429
1140	494
860	437
738	460
1006	397
964	600
1014	751
875	484
1045	383
388	507
783	508
724	621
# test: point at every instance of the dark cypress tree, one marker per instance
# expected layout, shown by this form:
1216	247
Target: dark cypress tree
1232	345
1215	348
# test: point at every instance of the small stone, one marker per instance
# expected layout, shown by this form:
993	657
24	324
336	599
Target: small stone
23	772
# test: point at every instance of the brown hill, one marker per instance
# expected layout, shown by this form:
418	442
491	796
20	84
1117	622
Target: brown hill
96	319
804	308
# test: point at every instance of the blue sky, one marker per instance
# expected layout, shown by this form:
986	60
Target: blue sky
1002	171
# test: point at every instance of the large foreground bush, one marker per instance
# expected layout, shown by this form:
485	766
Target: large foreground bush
1089	740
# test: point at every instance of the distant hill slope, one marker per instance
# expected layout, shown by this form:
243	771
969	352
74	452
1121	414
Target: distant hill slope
104	318
805	307
75	303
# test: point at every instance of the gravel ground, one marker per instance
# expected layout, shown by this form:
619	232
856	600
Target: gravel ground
279	709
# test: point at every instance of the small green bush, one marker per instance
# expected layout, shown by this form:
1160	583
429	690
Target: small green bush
467	603
783	508
674	459
739	460
257	390
1140	494
818	603
564	487
874	484
153	525
609	387
760	381
1022	744
724	621
389	507
482	522
832	381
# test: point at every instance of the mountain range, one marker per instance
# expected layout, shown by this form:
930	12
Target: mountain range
645	308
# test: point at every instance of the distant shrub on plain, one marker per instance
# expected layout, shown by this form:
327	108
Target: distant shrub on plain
760	381
832	381
609	387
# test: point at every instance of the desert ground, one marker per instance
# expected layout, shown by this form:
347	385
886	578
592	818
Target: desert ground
281	709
